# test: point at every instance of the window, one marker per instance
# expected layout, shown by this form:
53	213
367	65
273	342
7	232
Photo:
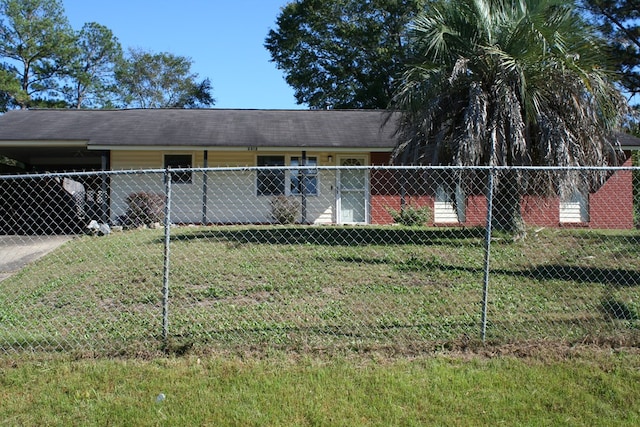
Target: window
304	179
271	181
276	182
178	161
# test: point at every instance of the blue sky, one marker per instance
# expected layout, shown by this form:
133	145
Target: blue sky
224	38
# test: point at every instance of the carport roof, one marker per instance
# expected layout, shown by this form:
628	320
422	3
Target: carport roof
121	129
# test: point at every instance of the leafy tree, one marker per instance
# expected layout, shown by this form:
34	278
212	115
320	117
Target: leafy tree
619	22
508	83
91	70
161	80
37	41
11	92
342	53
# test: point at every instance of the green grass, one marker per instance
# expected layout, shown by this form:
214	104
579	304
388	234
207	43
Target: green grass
592	388
316	290
325	326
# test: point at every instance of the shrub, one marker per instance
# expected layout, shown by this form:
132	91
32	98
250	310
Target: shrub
144	209
411	215
284	209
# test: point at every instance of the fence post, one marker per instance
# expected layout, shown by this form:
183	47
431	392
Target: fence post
167	254
487	253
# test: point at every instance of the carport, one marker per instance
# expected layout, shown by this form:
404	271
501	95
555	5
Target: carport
49	156
54	146
51	205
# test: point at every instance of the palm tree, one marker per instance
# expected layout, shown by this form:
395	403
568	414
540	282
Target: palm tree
507	83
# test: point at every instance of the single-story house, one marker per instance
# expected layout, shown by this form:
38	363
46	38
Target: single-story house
82	140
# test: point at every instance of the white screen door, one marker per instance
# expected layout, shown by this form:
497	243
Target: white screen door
352	192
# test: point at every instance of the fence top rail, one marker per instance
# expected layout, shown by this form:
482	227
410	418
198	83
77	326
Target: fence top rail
311	167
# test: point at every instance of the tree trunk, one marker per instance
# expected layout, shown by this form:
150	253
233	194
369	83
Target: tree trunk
507	214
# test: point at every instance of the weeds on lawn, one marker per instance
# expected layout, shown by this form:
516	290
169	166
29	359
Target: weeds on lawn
321	289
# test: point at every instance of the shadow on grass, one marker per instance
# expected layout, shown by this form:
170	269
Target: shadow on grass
340	236
616	309
628	239
578	329
358	236
615	277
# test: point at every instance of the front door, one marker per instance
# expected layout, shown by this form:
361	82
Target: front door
352	191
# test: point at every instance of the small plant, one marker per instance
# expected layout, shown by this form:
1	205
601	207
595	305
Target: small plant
284	209
144	209
411	215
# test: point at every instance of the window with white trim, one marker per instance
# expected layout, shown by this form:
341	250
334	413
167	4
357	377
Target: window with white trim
304	179
272	181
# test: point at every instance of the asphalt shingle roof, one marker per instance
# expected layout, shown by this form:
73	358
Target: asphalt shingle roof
629	141
113	129
202	127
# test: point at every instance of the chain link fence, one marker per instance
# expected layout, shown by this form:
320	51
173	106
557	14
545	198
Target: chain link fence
317	259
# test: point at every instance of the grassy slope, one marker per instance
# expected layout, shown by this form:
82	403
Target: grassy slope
242	288
366	305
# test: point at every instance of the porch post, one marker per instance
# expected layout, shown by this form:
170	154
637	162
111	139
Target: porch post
104	195
301	183
205	188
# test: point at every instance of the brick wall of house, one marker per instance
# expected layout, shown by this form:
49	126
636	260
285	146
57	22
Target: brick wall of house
612	205
384	190
380	159
541	211
476	211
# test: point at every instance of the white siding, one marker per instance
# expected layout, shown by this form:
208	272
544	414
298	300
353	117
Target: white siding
231	195
124	185
321	209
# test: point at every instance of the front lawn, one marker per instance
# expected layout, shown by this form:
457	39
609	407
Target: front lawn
322	290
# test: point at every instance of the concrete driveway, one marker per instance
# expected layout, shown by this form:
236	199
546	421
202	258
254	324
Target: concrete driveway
18	251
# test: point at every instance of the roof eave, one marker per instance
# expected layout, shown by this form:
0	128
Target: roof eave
236	148
48	143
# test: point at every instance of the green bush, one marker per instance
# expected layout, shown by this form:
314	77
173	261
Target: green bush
144	209
411	215
284	209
